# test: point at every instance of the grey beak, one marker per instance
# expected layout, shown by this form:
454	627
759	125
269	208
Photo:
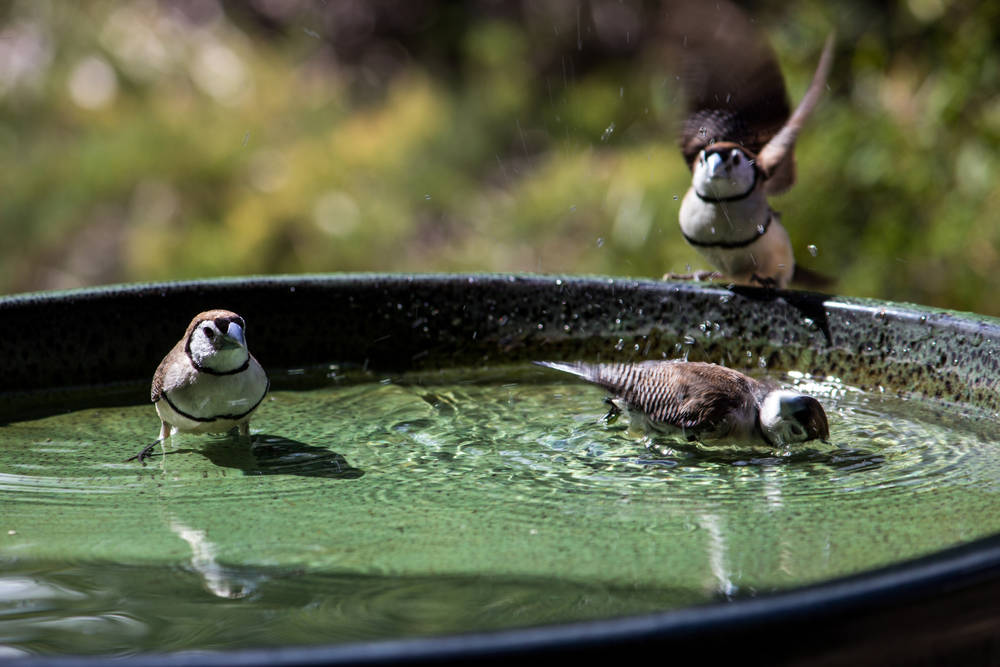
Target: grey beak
233	337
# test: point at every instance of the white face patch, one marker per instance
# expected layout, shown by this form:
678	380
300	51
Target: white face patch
777	420
723	174
212	349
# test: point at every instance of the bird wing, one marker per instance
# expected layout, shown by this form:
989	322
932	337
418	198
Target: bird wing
695	396
777	157
701	398
729	75
170	376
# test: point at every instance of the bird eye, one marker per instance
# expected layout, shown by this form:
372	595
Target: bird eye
209	334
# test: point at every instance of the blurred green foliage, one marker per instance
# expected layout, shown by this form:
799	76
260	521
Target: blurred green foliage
145	140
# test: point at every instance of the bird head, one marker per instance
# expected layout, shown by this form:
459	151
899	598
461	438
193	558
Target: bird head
216	341
787	417
725	170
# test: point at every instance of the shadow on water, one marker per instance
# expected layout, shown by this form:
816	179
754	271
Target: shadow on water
665	452
271	454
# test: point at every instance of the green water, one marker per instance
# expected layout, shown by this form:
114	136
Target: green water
449	503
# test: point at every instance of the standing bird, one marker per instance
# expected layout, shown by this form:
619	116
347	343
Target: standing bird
705	402
738	139
209	382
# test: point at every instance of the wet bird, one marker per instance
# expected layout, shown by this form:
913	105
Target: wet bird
705	402
209	382
738	139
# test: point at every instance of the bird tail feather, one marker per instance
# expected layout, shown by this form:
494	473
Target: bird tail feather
577	368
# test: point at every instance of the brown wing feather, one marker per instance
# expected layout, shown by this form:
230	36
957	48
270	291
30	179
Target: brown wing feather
777	157
691	395
732	84
160	376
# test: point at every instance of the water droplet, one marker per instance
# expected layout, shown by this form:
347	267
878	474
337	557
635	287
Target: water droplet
620	345
427	197
813	250
608	131
702	131
675	197
760	229
572	208
600	242
688	340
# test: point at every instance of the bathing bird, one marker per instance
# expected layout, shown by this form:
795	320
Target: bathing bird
704	402
738	140
209	382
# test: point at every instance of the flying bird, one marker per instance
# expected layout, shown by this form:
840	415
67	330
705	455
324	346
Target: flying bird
209	382
738	139
705	402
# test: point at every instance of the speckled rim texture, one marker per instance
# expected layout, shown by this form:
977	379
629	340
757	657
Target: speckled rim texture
57	348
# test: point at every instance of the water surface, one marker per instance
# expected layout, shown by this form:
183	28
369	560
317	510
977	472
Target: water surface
452	502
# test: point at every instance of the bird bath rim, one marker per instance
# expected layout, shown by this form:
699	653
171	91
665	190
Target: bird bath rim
403	322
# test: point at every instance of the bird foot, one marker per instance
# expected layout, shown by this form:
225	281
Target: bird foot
143	454
613	413
764	282
696	276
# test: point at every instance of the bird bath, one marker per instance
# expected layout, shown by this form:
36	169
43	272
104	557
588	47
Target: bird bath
415	488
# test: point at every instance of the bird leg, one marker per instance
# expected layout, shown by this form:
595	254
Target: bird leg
145	452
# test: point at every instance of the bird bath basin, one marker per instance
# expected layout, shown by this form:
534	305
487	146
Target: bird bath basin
414	488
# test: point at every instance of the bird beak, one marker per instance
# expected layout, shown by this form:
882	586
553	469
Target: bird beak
233	337
713	164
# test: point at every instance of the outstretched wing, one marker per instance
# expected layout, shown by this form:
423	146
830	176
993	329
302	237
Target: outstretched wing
732	84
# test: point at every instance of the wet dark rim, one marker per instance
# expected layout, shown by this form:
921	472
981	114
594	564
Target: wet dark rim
941	605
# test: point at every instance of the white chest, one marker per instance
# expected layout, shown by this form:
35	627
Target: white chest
214	403
729	235
723	222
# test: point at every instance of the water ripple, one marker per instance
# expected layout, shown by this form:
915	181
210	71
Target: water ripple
436	503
